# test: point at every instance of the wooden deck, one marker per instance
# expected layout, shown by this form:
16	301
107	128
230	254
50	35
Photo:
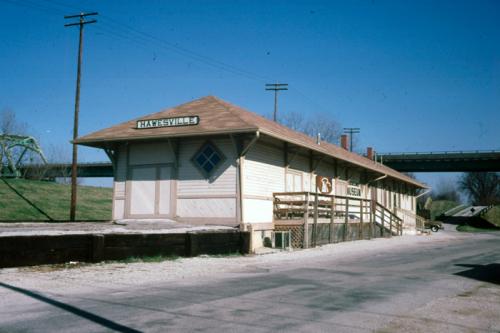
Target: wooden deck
315	219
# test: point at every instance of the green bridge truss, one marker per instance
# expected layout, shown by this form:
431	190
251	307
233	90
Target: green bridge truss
14	149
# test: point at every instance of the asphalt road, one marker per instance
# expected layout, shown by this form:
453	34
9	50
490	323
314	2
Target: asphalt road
357	293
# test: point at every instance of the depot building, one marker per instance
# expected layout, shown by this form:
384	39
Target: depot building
211	162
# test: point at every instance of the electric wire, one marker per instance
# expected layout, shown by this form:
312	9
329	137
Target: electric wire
173	47
126	32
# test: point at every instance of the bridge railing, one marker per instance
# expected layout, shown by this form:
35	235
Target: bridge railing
62	170
443	152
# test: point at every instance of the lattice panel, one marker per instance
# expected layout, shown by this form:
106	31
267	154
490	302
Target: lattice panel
297	233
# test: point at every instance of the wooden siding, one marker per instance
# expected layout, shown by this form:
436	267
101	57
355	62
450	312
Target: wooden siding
119	189
207	207
193	182
164	191
264	171
301	163
354	176
142	190
118	209
120	172
325	169
257	211
340	187
341	172
119	183
121	164
150	153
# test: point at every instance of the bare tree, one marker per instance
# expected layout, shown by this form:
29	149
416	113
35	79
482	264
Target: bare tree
482	188
10	125
328	128
60	156
323	124
293	120
446	189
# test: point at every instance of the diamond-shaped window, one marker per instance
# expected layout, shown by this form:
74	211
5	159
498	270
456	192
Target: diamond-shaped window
208	158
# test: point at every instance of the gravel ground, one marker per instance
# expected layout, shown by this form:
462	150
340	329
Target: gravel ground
474	309
109	275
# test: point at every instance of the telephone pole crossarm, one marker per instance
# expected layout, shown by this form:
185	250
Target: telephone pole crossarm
351	131
80	23
276	87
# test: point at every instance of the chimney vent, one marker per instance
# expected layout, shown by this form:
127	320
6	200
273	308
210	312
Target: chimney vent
369	153
343	141
318	139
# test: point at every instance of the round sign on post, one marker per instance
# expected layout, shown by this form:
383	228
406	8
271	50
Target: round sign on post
324	184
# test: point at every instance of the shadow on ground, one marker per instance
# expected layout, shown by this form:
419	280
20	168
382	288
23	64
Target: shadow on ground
29	202
72	309
485	273
475	221
52	221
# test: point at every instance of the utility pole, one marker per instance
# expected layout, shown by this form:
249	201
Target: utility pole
81	23
351	131
276	87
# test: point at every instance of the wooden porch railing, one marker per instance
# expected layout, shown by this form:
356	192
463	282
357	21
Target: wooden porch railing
306	207
409	217
388	219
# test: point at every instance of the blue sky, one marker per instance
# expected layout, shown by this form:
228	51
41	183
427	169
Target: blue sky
414	76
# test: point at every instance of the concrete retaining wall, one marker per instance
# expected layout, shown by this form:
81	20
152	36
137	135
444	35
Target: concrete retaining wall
18	251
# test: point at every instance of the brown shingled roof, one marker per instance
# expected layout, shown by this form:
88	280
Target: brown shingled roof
218	117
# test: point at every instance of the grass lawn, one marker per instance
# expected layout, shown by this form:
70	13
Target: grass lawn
52	199
438	207
493	216
468	228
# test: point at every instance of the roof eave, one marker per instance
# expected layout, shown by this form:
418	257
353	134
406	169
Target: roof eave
322	151
103	142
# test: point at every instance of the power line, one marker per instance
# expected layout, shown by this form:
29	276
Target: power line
276	87
124	31
351	131
192	54
81	23
29	5
176	48
310	100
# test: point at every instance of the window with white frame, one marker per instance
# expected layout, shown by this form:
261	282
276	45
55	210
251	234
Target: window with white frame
294	181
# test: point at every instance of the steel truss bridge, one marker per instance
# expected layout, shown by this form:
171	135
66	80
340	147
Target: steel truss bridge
446	161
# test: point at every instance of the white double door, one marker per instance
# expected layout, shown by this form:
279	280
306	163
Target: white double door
150	191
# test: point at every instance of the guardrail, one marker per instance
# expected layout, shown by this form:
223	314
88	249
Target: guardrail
55	170
445	161
444	152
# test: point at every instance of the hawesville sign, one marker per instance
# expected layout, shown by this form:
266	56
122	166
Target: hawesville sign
168	122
